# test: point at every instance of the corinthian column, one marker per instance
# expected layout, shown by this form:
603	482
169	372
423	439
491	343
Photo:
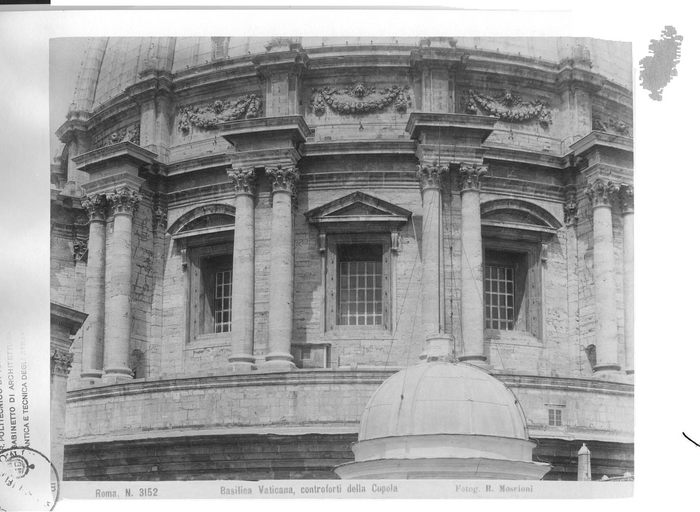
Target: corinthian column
472	265
284	180
430	180
124	203
601	194
243	295
93	329
627	203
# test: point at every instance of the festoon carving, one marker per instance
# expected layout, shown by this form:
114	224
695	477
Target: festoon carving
431	176
626	195
208	116
602	192
130	133
611	126
124	200
507	106
570	205
360	99
96	207
470	176
283	179
61	363
244	180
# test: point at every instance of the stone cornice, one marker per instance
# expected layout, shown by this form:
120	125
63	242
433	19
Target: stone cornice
76	122
420	121
325	377
294	61
293	126
596	139
388	147
67	317
511	154
123	152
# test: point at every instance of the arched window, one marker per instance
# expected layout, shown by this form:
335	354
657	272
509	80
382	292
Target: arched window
516	236
205	239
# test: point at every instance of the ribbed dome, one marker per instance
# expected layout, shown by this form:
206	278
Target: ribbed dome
443	398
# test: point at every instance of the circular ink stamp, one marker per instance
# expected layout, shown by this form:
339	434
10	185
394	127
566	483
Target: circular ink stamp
28	480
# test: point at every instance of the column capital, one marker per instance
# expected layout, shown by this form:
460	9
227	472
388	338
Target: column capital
61	363
470	176
96	206
602	192
626	196
244	180
430	176
283	179
124	200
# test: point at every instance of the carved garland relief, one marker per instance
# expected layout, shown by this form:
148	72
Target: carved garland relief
359	99
611	126
507	106
208	116
131	133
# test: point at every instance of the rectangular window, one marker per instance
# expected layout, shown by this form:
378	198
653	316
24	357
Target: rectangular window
211	289
505	290
499	297
555	418
360	282
222	301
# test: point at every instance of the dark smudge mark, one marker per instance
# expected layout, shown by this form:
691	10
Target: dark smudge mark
658	69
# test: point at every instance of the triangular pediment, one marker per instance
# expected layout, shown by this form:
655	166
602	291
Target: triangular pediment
356	207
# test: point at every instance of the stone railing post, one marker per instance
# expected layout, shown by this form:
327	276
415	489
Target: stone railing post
243	293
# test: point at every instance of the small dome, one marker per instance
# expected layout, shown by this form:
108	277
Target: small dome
443	398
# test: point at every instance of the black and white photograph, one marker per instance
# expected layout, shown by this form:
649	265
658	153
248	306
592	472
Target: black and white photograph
303	266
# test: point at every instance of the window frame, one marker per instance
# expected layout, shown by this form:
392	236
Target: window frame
529	318
197	296
332	280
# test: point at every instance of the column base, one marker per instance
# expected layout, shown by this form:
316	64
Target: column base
242	363
91	378
278	362
92	374
612	375
116	375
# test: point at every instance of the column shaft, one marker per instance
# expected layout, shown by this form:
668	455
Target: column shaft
243	298
628	287
604	279
279	355
118	301
472	279
281	281
430	291
93	331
